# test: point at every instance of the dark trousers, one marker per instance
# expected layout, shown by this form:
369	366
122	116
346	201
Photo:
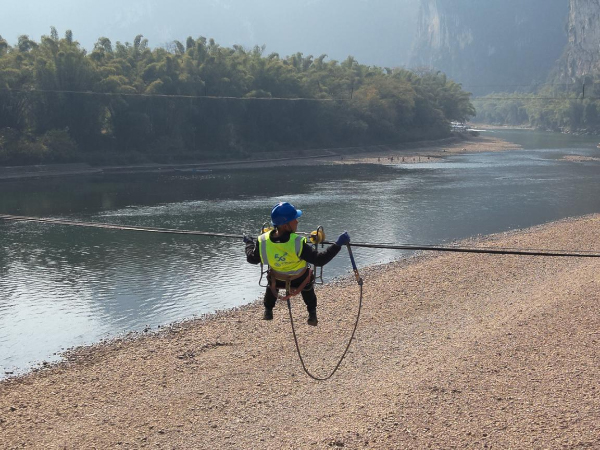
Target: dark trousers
308	293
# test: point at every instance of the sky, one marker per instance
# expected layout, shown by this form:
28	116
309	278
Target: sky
375	32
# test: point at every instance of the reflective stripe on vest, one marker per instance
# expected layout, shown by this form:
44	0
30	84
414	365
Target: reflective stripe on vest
283	257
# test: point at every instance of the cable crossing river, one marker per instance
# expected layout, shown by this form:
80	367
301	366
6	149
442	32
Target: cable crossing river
388	246
410	247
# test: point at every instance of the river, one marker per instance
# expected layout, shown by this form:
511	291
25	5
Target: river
68	286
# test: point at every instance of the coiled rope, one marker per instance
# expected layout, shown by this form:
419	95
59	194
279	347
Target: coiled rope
360	284
314	377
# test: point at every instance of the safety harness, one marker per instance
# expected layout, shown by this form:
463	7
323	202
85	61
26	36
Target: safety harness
273	276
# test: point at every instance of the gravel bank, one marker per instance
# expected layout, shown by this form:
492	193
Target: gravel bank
432	153
453	350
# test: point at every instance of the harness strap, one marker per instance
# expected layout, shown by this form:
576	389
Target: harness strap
288	279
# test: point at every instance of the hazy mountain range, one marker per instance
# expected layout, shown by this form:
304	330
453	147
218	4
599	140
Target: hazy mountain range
496	45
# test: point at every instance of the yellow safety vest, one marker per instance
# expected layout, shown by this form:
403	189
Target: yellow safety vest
283	257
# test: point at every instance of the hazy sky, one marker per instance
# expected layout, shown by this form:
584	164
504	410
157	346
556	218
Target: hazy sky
375	32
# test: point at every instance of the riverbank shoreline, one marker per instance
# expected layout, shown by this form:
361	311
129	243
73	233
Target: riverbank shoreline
433	153
452	350
407	153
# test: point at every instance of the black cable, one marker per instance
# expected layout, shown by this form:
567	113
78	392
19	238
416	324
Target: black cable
116	227
487	250
411	247
534	98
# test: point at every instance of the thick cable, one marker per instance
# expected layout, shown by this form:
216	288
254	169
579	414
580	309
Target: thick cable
108	226
487	250
411	247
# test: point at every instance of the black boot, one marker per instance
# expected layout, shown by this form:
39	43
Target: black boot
268	314
312	318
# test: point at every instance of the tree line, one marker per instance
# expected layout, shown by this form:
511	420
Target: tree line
129	103
573	107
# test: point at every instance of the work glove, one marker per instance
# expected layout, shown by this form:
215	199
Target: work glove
343	239
248	239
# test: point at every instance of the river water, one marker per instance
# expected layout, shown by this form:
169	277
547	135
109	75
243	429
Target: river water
67	286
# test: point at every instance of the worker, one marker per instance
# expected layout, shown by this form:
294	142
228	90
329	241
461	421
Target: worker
288	256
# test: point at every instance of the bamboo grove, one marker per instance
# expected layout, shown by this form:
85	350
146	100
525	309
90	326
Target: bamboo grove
127	103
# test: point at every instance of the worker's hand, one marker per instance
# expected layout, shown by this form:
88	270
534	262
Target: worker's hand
343	239
248	239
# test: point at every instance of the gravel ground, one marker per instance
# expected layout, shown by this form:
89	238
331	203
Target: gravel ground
452	351
580	158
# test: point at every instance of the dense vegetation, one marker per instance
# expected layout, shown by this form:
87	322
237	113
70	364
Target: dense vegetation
127	103
558	107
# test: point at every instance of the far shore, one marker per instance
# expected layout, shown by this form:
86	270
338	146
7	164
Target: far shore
433	152
378	154
580	158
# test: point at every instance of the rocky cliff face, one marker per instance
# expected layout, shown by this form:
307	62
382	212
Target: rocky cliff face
491	45
582	54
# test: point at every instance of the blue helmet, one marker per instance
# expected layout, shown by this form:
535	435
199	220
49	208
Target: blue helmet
283	212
